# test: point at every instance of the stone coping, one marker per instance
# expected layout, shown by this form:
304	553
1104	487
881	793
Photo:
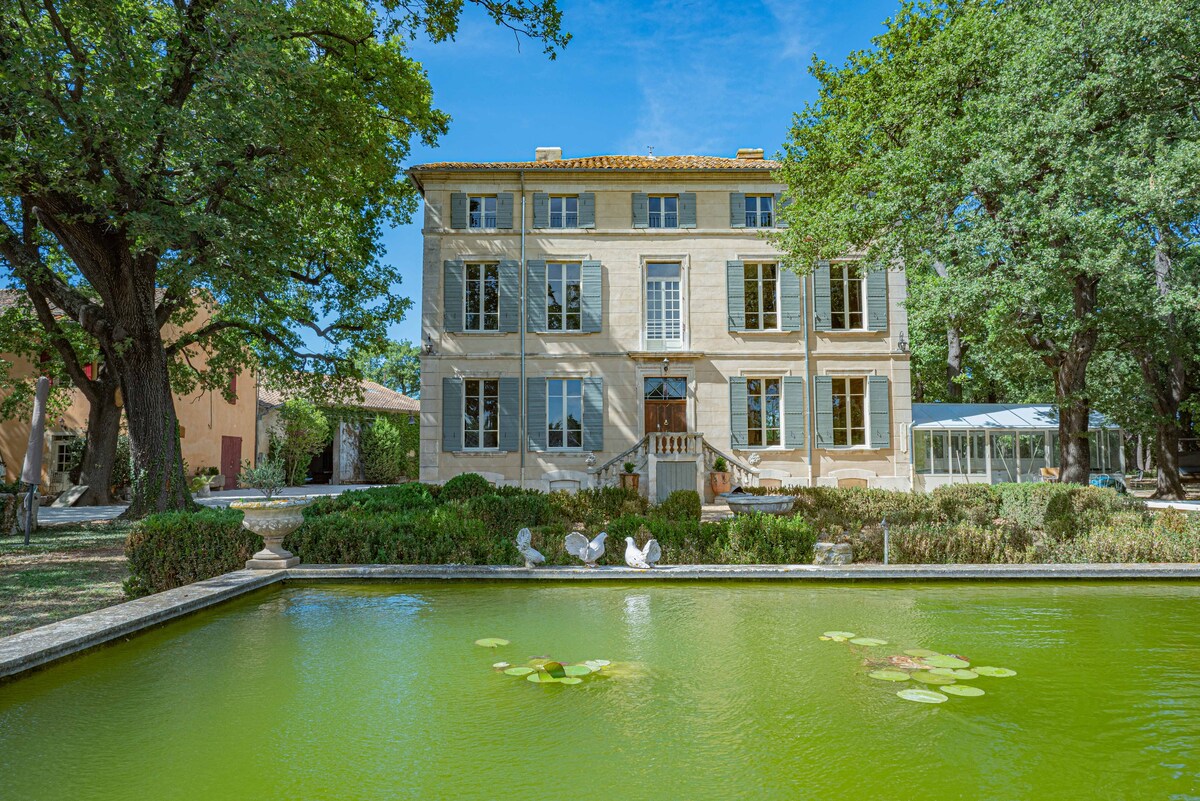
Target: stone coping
37	647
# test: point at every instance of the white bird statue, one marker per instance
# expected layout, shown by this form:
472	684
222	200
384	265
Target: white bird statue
532	557
578	546
642	558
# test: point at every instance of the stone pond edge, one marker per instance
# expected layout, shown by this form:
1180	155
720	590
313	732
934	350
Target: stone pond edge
38	647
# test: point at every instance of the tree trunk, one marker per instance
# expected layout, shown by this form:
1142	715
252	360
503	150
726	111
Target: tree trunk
1169	484
1070	385
955	354
100	451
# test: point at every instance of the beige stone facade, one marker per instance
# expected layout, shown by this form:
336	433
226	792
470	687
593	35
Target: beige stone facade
707	348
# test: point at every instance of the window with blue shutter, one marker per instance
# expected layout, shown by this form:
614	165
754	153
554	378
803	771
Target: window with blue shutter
738	435
821	300
791	318
737	210
452	414
794	418
452	295
587	209
641	210
541	210
877	300
510	413
458	209
535	413
880	406
535	295
593	414
504	210
823	396
510	296
735	277
592	292
687	209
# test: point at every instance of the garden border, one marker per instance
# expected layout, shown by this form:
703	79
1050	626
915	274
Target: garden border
35	648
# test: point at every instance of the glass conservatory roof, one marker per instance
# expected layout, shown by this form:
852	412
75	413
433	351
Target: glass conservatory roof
993	416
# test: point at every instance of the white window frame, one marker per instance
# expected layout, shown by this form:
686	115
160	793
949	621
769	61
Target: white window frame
976	463
762	428
563	399
484	267
482	219
480	395
847	281
760	218
565	283
62	448
662	215
563	218
667	344
758	267
844	381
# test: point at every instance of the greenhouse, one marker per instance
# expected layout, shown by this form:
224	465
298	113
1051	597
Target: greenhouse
991	443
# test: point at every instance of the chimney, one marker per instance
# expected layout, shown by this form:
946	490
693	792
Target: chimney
555	154
750	153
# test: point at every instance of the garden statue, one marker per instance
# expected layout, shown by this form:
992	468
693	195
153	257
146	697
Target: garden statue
578	546
532	557
643	558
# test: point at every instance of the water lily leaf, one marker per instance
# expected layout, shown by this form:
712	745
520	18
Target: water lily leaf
845	635
501	665
577	670
555	669
491	642
569	680
538	677
921	652
962	689
519	671
923	696
889	675
868	641
599	662
927	677
955	673
823	637
946	661
994	672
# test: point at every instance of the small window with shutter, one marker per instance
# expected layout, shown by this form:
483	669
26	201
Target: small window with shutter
664	211
564	414
760	211
481	211
846	298
481	297
761	293
481	414
564	211
564	297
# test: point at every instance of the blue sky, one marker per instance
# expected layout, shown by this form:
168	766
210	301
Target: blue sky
683	77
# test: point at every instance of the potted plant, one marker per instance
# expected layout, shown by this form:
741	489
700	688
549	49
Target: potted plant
720	479
629	479
200	486
271	519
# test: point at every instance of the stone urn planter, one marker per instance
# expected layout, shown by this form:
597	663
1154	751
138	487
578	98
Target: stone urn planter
744	503
272	520
721	481
630	481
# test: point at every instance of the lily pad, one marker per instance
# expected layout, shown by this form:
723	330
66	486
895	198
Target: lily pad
577	670
994	672
926	677
962	689
946	661
845	635
538	677
491	642
569	680
599	662
868	641
955	673
501	665
921	652
889	675
923	696
555	669
519	671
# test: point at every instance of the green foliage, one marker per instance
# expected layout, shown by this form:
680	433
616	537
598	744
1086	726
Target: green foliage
507	514
464	487
302	431
720	465
268	477
122	471
175	548
387	449
594	507
680	506
402	498
396	366
1170	536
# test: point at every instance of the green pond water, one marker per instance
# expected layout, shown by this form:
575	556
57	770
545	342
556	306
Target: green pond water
716	691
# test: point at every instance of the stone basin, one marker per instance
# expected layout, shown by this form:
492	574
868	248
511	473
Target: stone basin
743	503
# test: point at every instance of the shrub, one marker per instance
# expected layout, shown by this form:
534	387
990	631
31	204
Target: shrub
833	511
302	432
974	503
268	477
948	543
595	507
176	548
466	486
400	498
759	539
507	514
1131	537
680	506
384	447
122	470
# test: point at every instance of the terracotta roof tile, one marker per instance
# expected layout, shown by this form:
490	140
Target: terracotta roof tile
376	398
613	163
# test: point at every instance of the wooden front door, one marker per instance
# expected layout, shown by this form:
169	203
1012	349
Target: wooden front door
666	404
231	460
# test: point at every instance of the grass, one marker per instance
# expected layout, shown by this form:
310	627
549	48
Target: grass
63	572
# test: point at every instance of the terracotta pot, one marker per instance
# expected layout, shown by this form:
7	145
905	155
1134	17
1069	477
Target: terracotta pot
720	481
630	481
272	520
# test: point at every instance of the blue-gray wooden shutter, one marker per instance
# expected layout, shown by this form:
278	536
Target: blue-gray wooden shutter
739	435
641	210
880	411
823	395
458	210
735	294
535	295
592	302
593	414
535	413
877	300
587	209
737	210
780	202
822	318
541	210
510	413
793	411
790	316
510	296
452	295
504	210
452	414
687	210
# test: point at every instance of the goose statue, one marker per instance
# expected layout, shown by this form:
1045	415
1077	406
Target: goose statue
530	554
642	558
578	546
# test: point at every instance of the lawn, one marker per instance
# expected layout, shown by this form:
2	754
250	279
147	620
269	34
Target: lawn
62	573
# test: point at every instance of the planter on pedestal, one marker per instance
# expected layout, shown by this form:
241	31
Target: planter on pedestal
721	481
272	520
630	481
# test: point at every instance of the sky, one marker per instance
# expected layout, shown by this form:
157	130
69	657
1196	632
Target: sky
686	78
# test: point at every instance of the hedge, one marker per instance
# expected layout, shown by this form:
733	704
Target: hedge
172	549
